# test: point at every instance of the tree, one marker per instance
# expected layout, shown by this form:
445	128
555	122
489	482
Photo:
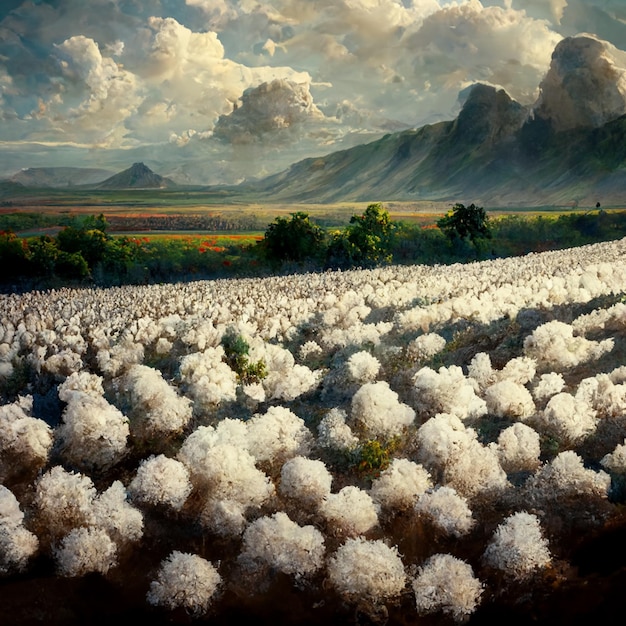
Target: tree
466	223
366	241
294	239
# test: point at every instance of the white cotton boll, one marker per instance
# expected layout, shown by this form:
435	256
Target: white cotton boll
163	346
378	412
615	461
518	546
447	510
113	513
227	472
277	435
446	583
17	546
226	518
399	486
310	350
370	570
208	379
161	481
283	545
306	481
566	476
11	515
554	345
254	391
509	399
480	369
447	391
567	419
119	357
520	370
548	385
291	384
156	408
334	433
85	550
608	398
518	448
64	500
80	381
452	452
63	363
363	367
94	433
185	581
25	441
425	346
349	512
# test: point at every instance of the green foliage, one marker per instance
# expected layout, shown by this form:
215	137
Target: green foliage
236	350
294	239
373	457
367	240
466	222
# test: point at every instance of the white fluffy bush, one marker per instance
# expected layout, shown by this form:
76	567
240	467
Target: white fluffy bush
567	477
447	391
25	441
64	500
86	550
399	486
305	481
17	544
334	433
350	512
363	367
446	510
454	456
446	583
185	581
277	435
518	448
226	518
367	569
615	461
518	546
554	346
113	513
567	418
377	411
283	545
547	386
425	346
156	408
161	480
509	399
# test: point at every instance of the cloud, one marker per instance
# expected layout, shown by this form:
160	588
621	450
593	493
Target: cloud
279	108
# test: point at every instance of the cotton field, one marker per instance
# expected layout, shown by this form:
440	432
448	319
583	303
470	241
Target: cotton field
409	445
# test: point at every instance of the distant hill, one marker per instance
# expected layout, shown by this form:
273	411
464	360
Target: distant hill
138	176
60	176
567	149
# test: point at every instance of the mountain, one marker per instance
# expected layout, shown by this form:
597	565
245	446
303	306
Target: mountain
59	176
138	176
568	148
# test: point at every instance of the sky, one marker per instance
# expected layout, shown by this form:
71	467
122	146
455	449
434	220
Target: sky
219	91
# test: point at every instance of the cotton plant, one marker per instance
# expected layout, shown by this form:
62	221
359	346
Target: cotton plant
334	433
400	485
366	569
155	407
615	461
161	481
350	512
17	544
455	458
186	581
25	441
281	544
306	482
518	448
447	584
447	391
377	411
518	547
425	346
446	510
548	385
117	516
85	550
